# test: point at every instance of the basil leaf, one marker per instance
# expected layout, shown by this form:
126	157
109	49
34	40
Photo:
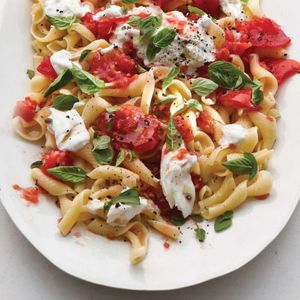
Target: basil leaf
200	234
177	220
196	10
120	158
203	86
86	82
174	139
84	54
30	73
194	104
130	1
152	50
134	21
129	197
131	155
104	156
223	222
140	69
112	109
64	78
65	102
71	174
228	75
167	100
243	166
36	164
257	92
62	23
101	142
164	38
173	73
148	26
197	218
244	2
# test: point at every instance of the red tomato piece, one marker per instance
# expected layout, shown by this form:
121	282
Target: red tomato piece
184	128
238	99
205	122
30	194
168	5
222	54
56	158
25	109
234	46
262	32
281	68
46	68
116	67
181	154
211	7
198	182
262	197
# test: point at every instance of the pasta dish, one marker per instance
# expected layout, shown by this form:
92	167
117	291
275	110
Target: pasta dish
152	113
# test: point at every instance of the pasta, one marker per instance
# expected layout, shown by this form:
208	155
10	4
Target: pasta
152	113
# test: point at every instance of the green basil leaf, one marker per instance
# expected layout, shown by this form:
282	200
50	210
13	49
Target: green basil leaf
227	75
86	82
244	2
65	102
36	164
257	92
71	174
101	142
148	26
196	10
203	86
223	222
152	50
177	220
134	21
112	109
194	104
30	73
62	23
172	75
104	156
197	218
164	37
110	124
64	78
174	139
131	155
120	158
243	166
130	1
200	234
129	197
167	100
84	54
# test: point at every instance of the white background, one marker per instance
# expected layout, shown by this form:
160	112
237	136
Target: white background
273	274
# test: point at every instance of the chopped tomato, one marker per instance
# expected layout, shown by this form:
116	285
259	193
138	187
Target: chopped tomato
262	32
168	5
222	54
116	67
206	122
281	68
131	128
30	194
181	154
173	20
102	29
262	197
25	109
234	46
238	99
184	128
46	68
56	158
198	182
166	245
211	7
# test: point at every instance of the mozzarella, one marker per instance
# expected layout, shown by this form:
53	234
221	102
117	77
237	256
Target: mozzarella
176	180
94	205
111	11
61	60
233	134
124	33
69	129
65	8
233	8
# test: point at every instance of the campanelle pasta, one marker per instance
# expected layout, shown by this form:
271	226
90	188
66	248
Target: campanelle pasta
152	113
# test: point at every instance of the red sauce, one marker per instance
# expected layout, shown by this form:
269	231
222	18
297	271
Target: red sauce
30	194
262	197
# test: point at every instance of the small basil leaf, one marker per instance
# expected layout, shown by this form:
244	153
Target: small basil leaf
197	218
134	21
131	155
174	139
62	23
101	142
71	174
177	221
244	2
112	109
36	164
130	1
257	92
152	50
194	104
120	158
104	156
64	78
84	54
200	234
172	75
167	100
223	222
196	10
30	73
164	38
65	102
203	86
148	26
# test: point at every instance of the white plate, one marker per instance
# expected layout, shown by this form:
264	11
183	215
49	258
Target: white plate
105	262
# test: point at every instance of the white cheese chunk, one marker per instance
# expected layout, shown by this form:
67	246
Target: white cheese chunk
233	8
233	134
61	60
111	11
94	205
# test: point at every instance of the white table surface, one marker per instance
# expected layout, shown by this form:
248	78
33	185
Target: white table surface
26	274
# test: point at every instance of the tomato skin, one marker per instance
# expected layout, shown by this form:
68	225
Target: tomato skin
46	68
234	46
281	68
238	99
184	128
116	67
206	122
25	109
198	182
222	54
211	7
56	158
263	33
30	194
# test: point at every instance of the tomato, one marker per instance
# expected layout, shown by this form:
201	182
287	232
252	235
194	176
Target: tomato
198	182
104	28
168	5
238	99
131	129
46	68
173	20
116	67
211	7
30	194
56	158
262	197
25	109
262	32
222	54
234	46
184	128
206	122
281	68
181	154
